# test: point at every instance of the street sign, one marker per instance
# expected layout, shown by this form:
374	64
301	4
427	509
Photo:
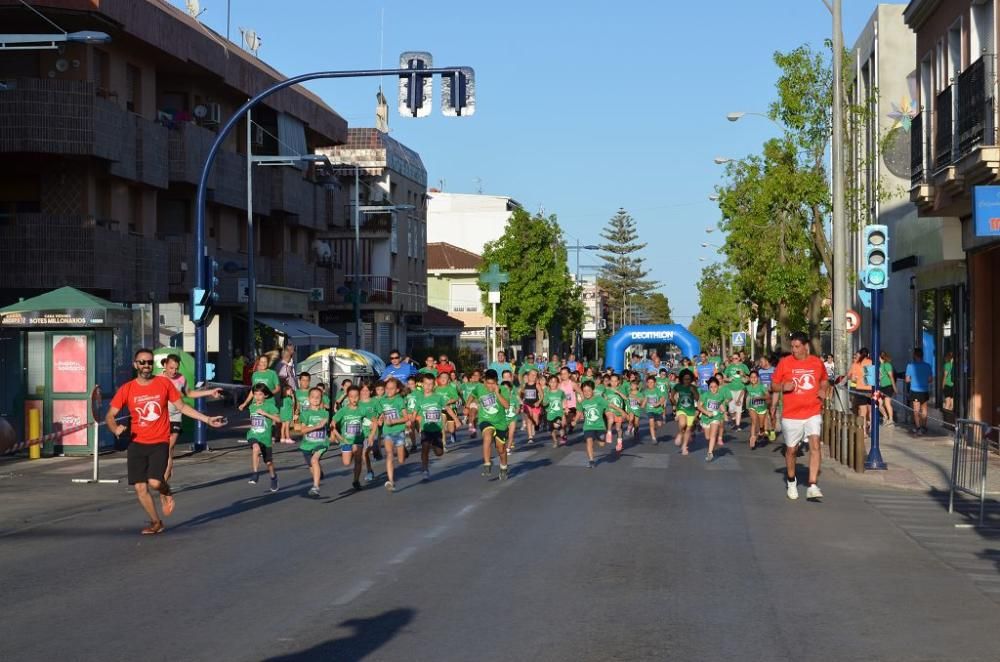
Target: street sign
739	339
853	321
494	278
493	296
317	294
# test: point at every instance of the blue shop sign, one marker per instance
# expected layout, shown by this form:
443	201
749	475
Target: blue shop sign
986	210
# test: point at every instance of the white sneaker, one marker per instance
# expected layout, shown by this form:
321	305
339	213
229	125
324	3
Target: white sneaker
792	489
813	493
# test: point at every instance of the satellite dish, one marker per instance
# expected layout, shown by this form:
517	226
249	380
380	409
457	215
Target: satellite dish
251	40
200	111
194	9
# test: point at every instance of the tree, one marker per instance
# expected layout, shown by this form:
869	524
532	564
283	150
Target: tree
540	294
656	308
718	306
623	274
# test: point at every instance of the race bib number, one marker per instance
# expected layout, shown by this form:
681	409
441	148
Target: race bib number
713	405
634	404
530	394
651	400
317	435
757	402
489	401
257	423
432	415
353	428
391	414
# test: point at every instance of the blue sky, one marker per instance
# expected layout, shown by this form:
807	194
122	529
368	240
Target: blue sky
583	107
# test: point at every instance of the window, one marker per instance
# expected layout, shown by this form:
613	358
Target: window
101	71
954	51
464	297
394	236
981	36
940	68
133	88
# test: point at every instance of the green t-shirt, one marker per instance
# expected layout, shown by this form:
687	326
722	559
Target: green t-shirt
490	409
350	423
653	397
593	413
715	404
449	391
428	371
370	413
430	408
553	403
737	374
615	397
663	385
887	378
525	368
757	397
302	397
268	378
392	409
635	402
287	409
514	408
466	389
687	397
949	375
317	439
552	367
260	426
411	400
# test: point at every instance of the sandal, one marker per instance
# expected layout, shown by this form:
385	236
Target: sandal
167	501
153	528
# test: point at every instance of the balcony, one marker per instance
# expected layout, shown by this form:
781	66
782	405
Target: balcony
372	226
376	292
67	117
978	156
46	251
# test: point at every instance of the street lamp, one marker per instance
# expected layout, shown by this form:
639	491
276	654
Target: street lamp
722	160
714	197
706	244
739	114
35	42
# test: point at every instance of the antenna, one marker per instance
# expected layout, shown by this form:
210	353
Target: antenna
194	8
251	40
479	184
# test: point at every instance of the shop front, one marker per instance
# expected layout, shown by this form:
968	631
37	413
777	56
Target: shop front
981	240
56	347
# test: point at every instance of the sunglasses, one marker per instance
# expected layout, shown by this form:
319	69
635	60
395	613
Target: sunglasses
144	362
393	358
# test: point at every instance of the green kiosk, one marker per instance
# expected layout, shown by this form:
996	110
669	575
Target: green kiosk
54	348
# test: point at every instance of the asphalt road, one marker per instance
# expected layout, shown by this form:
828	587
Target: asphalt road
649	556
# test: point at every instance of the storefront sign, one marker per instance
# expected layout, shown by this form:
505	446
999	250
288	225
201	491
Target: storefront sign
986	210
69	364
73	318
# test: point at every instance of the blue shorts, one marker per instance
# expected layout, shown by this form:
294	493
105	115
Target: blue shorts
308	455
398	440
347	448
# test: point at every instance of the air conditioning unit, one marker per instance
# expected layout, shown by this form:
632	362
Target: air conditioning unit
214	115
258	136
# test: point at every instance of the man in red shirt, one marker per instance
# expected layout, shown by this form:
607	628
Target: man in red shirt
802	380
444	365
147	399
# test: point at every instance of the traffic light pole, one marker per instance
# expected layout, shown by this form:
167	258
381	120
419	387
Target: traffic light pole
874	460
201	248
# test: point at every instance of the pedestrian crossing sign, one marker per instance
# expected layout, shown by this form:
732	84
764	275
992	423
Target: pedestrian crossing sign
739	339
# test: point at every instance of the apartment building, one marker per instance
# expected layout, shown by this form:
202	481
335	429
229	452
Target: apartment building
956	162
927	261
102	150
453	287
467	220
393	241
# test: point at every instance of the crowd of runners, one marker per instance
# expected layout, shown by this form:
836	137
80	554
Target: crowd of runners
409	411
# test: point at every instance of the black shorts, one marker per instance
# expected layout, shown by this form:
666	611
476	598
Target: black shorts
147	462
175	427
860	400
432	438
888	391
920	396
266	452
948	391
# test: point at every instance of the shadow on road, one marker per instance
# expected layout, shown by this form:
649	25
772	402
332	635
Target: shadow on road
369	635
294	490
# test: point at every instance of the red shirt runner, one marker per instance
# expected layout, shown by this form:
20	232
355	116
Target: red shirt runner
147	405
445	367
807	374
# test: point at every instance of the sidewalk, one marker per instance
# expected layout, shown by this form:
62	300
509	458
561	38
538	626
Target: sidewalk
915	463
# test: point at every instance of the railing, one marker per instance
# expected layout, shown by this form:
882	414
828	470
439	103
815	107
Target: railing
844	437
83	252
970	462
944	134
371	223
917	150
974	106
374	290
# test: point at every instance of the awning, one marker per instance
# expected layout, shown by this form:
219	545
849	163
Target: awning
300	331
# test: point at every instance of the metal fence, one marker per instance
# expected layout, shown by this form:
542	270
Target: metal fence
970	462
844	437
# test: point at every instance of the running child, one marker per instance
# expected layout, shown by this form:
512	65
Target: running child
348	431
635	402
654	406
712	406
467	390
314	424
432	407
392	420
663	386
410	396
554	402
616	397
287	414
685	400
263	415
369	430
757	404
513	413
490	401
596	413
531	399
446	387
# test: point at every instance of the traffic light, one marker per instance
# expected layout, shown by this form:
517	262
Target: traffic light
875	275
458	93
199	305
209	372
202	299
416	90
212	275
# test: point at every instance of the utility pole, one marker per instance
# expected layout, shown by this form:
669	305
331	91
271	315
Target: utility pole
251	343
839	276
